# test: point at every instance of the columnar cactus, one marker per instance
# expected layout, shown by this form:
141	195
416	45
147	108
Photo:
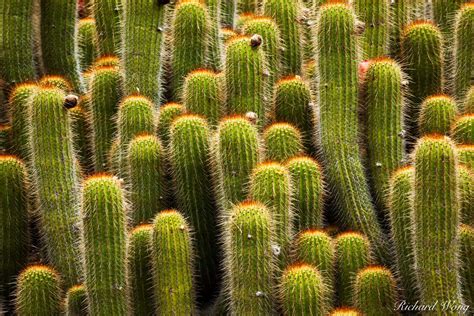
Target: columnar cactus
172	257
104	245
462	130
463	47
337	72
466	240
468	101
55	176
107	16
80	133
437	115
54	81
38	292
436	221
466	194
214	49
228	12
87	50
308	192
249	260
168	112
5	138
282	141
466	155
76	301
443	12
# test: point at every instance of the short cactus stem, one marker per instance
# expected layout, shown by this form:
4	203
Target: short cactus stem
215	47
466	258
104	244
168	112
308	192
38	292
468	101
462	130
249	260
437	115
242	18
81	130
76	301
282	141
375	291
352	254
436	221
5	138
466	183
107	15
466	155
172	257
345	311
303	291
54	81
87	50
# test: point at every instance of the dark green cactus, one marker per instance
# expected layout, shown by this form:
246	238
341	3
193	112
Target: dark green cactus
466	155
104	244
87	50
107	16
466	258
443	12
437	114
5	138
81	130
466	194
468	101
168	112
172	257
228	12
214	49
76	301
462	130
282	141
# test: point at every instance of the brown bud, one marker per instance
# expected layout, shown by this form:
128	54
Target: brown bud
251	117
70	101
256	40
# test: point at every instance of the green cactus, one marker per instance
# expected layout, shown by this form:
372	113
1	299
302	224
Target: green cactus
168	112
466	155
375	291
227	33
236	151
80	133
139	267
38	292
436	221
338	122
203	95
104	244
352	254
16	42
345	311
242	18
54	81
282	141
228	12
245	79
466	183
106	61
468	102
107	15
286	13
87	49
142	36
466	240
443	12
14	239
214	42
247	6
5	138
172	257
249	260
55	177
59	40
437	114
105	93
462	130
146	173
76	301
308	192
303	291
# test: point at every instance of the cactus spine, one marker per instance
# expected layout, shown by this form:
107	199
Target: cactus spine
444	12
466	240
282	141
172	265
338	103
38	292
54	81
76	301
214	42
107	16
80	133
466	155
168	112
104	244
5	138
468	102
247	6
87	50
463	129
436	221
437	115
228	12
466	183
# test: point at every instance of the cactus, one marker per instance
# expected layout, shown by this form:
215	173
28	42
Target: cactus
436	221
462	130
352	254
242	19
107	15
106	61
236	151
16	44
105	93
282	141
168	112
14	212
375	14
58	40
285	13
466	240
104	244
139	267
249	260
55	177
337	71
87	50
214	48
303	291
468	102
80	133
228	12
148	192
463	57
437	114
76	301
5	138
466	183
172	257
345	311
443	12
142	36
203	95
375	291
466	155
227	33
38	292
54	81
247	6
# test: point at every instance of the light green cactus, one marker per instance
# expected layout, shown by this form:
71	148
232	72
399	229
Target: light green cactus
54	81
466	183
76	301
466	240
168	112
462	130
228	12
107	14
87	50
282	141
437	115
214	49
81	130
468	101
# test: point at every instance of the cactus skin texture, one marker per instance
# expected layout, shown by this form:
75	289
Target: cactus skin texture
466	183
81	130
303	291
437	115
247	6
14	212
285	13
146	174
76	301
5	138
202	94
466	240
384	106
105	92
55	176
16	41
87	50
376	16
228	12
282	141
214	49
38	292
167	114
58	40
107	16
352	254
104	243
345	311
466	155
463	130
400	214
54	81
249	260
236	151
436	221
338	103
308	192
142	37
189	156
444	12
468	102
172	256
139	267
